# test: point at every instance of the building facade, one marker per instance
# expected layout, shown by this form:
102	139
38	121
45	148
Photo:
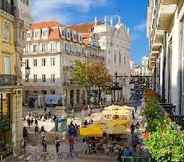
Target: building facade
144	66
51	51
165	32
11	32
114	39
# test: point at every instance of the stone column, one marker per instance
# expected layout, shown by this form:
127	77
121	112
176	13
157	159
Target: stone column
17	133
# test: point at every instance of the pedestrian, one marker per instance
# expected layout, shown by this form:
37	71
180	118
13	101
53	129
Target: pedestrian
25	133
119	156
28	122
57	143
132	129
36	130
36	122
72	130
85	123
23	145
45	109
71	143
44	145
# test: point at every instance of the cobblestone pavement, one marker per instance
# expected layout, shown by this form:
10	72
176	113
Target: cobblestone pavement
33	152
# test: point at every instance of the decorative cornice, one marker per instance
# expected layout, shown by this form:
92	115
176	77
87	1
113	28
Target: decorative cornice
7	15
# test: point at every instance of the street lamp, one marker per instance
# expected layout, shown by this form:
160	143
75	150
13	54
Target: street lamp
115	87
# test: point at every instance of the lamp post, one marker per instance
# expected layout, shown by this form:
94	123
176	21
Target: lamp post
115	87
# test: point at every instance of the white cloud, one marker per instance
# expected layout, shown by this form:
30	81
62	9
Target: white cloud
138	31
57	9
141	27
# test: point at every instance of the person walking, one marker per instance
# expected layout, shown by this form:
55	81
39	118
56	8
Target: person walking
57	143
44	145
36	130
28	122
23	145
36	122
71	143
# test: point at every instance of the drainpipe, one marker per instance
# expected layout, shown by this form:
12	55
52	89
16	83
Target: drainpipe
164	65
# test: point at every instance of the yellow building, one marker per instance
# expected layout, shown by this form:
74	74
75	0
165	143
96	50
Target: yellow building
10	91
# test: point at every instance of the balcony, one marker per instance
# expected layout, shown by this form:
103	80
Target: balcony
70	83
7	80
164	11
8	7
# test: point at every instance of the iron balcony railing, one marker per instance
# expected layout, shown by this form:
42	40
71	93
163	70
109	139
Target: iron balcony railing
137	159
7	80
7	7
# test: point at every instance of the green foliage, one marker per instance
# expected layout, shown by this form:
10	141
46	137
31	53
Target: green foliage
166	141
152	112
80	73
91	74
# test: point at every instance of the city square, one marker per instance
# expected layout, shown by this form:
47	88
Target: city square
91	80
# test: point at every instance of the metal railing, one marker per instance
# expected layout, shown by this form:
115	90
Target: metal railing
6	80
136	159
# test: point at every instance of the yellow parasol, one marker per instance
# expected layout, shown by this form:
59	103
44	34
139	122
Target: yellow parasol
117	112
117	127
93	130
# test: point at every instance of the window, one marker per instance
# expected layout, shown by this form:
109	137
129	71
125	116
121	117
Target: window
52	47
52	91
44	47
7	65
6	33
65	46
27	63
124	59
78	96
44	33
68	34
63	33
35	62
43	62
44	92
25	2
36	34
114	58
53	78
119	58
43	78
28	35
35	78
52	61
34	48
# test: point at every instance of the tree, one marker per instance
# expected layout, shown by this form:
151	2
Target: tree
91	75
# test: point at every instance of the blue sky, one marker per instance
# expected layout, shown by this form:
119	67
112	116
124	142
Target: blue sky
78	11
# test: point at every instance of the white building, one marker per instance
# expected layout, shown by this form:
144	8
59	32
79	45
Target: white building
165	26
115	39
50	52
144	66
